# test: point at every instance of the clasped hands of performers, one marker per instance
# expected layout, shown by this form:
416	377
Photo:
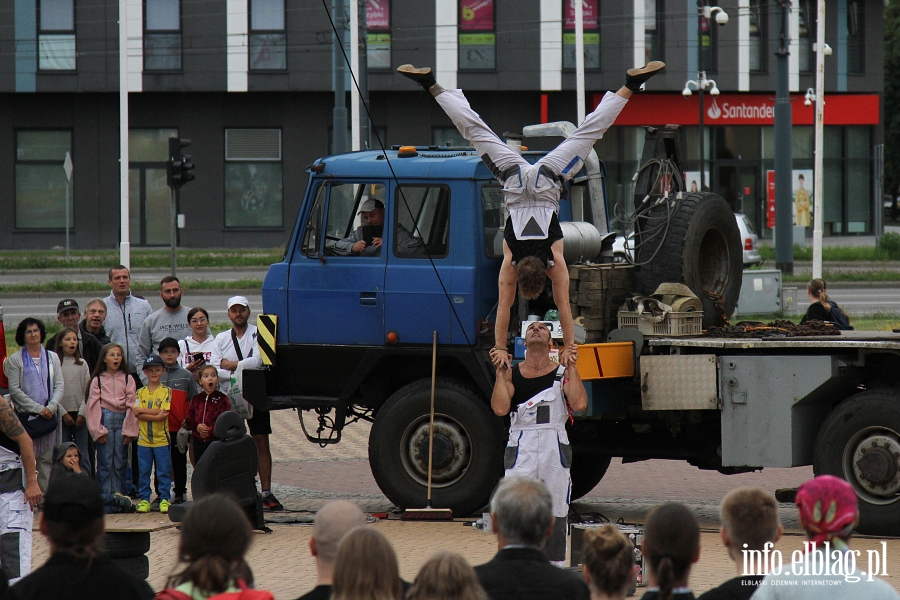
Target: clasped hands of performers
501	358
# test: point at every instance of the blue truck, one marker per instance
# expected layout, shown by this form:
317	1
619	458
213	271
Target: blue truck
354	332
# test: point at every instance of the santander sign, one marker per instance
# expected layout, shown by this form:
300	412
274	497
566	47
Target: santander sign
744	110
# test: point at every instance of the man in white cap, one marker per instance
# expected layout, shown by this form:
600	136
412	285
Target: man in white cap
359	243
238	347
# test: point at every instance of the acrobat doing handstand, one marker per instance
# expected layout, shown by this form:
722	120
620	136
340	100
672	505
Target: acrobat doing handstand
533	238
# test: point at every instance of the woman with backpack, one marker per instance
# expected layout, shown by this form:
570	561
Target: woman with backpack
823	308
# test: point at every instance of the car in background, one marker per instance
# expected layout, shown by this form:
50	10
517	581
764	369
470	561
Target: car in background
623	250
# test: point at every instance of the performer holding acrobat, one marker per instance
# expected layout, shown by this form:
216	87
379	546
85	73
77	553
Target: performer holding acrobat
532	241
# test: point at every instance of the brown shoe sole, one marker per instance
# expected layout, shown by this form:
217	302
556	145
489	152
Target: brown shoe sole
650	67
415	71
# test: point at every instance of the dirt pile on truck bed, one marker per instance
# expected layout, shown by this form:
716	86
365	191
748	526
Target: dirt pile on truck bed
780	328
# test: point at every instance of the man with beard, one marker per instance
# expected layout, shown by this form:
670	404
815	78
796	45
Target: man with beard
94	318
235	348
169	321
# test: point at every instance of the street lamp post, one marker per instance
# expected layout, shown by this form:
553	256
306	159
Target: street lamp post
702	84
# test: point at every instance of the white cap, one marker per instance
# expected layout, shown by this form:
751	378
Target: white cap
234	300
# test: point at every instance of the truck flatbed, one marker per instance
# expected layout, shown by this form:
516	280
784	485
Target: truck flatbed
872	340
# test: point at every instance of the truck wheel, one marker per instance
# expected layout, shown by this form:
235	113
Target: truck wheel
468	447
860	442
701	249
587	470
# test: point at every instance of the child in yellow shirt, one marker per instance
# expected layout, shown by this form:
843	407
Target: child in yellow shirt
151	407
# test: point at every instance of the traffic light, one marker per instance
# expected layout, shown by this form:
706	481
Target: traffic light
179	167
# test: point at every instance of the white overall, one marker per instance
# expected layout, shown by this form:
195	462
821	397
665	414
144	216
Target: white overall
532	197
539	447
16	521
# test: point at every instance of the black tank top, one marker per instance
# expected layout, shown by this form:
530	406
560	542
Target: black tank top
528	388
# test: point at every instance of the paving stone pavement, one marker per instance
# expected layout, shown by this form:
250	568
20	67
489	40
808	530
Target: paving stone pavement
305	476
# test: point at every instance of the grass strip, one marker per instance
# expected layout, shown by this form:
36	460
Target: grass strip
59	285
103	259
851	276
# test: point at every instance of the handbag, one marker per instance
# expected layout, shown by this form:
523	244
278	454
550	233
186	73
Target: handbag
35	425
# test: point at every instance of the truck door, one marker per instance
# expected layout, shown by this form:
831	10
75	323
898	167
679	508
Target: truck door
416	302
336	292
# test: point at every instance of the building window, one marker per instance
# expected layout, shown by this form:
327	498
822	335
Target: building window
378	36
654	20
758	35
448	136
56	35
477	35
268	41
253	178
162	35
807	18
708	40
40	178
591	35
855	48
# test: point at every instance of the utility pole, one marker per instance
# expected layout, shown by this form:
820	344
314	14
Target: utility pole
365	133
339	121
784	223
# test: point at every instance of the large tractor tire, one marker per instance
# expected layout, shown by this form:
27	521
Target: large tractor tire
468	447
701	248
588	466
860	443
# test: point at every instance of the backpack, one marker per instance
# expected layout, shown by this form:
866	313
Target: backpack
839	318
245	594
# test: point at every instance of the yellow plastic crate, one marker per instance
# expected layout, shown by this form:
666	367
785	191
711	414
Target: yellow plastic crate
604	361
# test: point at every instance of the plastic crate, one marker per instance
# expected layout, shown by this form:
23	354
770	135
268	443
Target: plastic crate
675	324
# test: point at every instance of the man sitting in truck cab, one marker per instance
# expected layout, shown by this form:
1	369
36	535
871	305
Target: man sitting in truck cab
366	239
533	238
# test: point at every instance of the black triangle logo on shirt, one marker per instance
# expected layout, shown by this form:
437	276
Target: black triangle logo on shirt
532	228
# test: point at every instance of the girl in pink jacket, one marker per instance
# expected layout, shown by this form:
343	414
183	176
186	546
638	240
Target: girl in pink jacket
110	418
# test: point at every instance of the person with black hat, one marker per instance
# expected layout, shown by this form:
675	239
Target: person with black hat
19	495
68	314
72	522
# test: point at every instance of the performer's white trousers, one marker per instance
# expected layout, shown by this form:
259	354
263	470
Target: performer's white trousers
16	520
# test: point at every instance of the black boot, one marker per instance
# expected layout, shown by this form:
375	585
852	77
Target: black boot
424	76
635	78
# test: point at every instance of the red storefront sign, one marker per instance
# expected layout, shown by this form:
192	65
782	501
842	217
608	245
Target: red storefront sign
476	15
743	109
378	14
588	11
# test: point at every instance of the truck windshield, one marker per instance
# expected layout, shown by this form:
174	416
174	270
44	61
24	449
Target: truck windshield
338	217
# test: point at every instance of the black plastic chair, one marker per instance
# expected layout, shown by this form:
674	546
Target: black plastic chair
227	467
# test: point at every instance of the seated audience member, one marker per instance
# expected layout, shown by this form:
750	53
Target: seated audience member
749	522
522	518
365	566
671	547
446	576
69	462
72	522
215	537
333	521
828	513
608	563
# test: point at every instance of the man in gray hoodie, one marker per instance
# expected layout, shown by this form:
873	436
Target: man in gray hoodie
169	321
125	314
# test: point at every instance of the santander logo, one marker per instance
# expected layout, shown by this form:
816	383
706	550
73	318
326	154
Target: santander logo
761	110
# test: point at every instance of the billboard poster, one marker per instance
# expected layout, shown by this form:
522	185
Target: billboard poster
692	181
476	15
589	13
378	15
802	188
